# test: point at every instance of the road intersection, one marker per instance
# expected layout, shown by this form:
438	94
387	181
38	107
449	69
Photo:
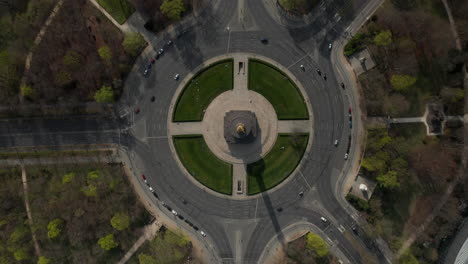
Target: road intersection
237	230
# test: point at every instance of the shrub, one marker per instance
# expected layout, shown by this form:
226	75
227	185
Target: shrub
21	254
72	58
43	260
355	44
63	78
108	242
93	175
133	43
389	180
146	259
89	191
173	9
104	95
54	228
120	221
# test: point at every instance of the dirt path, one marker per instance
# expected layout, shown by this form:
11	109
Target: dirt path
453	27
148	234
28	210
38	39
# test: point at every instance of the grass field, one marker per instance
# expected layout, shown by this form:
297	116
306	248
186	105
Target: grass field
277	88
202	89
120	10
202	164
278	164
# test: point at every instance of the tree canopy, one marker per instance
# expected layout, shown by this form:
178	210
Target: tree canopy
43	260
105	53
402	82
133	43
108	242
146	259
104	95
173	9
389	180
54	228
384	38
317	244
120	221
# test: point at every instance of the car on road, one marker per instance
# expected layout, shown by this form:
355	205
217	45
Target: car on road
319	72
349	110
174	212
146	72
195	227
346	156
324	76
152	98
157	56
203	233
330	46
354	229
137	110
153	60
264	40
149	66
176	77
143	177
350	124
323	219
151	189
336	142
342	85
155	195
169	42
188	222
160	51
180	217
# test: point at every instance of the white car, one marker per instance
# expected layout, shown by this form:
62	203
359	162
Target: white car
336	142
203	233
330	46
323	219
174	212
346	156
176	77
151	189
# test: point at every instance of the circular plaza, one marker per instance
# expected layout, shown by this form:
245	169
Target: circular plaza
239	125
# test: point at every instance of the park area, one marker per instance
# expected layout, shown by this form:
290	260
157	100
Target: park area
412	44
205	86
309	249
298	7
413	172
120	10
167	247
83	213
202	164
278	164
278	89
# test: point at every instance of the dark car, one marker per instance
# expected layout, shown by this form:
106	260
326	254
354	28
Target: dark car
324	76
342	85
168	208
319	72
153	61
157	56
155	195
350	124
143	177
153	98
264	40
180	217
195	227
137	110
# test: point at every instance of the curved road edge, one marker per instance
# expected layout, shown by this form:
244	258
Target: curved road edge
344	70
293	232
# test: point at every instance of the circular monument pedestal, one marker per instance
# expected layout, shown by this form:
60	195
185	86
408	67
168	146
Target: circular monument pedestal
229	130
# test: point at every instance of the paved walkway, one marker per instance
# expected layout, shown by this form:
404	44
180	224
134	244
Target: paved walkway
24	179
149	233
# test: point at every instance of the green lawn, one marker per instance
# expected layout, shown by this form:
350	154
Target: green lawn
202	164
202	89
277	88
278	164
120	10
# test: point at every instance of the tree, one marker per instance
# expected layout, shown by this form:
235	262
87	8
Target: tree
105	53
27	91
388	180
104	95
316	243
120	221
173	9
72	58
63	78
402	82
384	38
89	191
93	175
146	259
54	228
373	164
68	177
43	260
108	242
21	254
133	43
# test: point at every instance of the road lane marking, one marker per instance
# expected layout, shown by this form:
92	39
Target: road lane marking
256	204
300	172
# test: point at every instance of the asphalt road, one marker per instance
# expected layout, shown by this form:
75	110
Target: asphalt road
237	230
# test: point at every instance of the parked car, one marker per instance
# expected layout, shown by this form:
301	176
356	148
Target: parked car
323	219
346	156
319	72
342	85
174	212
203	233
146	72
336	142
151	189
152	98
153	61
195	227
137	110
324	76
160	51
264	40
143	177
330	46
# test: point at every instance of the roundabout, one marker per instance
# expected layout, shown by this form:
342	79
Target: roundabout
244	145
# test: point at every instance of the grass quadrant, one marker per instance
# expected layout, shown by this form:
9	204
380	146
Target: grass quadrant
277	88
120	10
278	164
202	164
205	86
